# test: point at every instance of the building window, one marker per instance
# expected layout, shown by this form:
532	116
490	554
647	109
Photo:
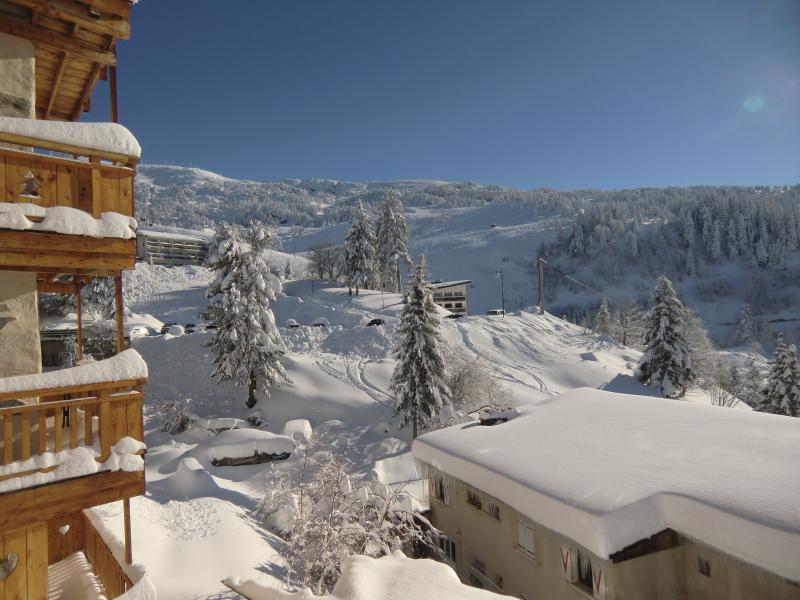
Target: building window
449	305
478	500
441	491
459	304
448	548
526	540
585	578
704	566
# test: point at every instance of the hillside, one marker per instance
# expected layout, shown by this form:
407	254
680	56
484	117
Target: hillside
722	246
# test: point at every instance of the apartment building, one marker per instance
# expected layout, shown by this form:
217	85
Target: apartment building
599	495
451	295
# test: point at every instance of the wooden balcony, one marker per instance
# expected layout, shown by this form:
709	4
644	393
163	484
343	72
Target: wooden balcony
86	179
35	422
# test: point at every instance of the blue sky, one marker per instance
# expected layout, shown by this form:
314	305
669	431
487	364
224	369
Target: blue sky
571	94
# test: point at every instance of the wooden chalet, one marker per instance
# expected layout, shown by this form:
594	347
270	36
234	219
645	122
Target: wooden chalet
52	55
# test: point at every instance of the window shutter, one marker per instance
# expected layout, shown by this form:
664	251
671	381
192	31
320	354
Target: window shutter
599	584
568	568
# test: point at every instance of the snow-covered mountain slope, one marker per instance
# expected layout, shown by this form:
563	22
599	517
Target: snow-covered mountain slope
472	231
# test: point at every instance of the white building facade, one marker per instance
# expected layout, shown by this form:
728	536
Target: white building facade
451	295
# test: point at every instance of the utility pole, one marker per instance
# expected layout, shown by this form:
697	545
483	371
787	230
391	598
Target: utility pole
541	264
502	291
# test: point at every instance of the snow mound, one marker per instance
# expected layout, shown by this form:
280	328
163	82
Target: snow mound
724	477
191	480
299	430
244	443
126	365
104	137
392	577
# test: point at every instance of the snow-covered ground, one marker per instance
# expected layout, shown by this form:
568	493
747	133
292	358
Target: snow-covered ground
195	527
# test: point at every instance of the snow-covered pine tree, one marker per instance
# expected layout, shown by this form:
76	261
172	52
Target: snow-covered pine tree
576	245
744	326
782	394
359	250
602	320
99	296
247	345
715	242
392	234
419	381
665	362
287	270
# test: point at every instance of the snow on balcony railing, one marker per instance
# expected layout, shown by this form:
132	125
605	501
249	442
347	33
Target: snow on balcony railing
125	366
90	139
66	220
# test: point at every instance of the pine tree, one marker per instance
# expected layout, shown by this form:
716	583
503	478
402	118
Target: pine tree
666	362
602	320
744	326
391	235
100	296
359	250
715	243
287	270
247	344
576	244
690	264
733	242
782	394
419	380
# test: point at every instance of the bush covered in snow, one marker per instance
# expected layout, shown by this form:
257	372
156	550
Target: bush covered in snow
326	515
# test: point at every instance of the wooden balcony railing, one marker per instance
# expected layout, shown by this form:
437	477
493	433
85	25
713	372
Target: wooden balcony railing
105	565
54	419
88	184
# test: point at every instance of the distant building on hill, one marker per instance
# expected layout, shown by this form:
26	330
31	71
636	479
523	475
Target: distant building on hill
451	295
600	495
172	246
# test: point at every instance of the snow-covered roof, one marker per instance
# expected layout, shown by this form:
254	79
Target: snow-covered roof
392	577
103	137
445	284
608	470
66	220
124	366
175	233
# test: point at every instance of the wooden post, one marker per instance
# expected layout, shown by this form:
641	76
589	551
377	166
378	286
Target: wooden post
541	285
126	512
112	92
119	315
79	333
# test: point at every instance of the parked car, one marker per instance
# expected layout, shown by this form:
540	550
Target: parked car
321	322
292	324
176	330
453	316
165	327
138	331
211	327
375	322
496	311
190	327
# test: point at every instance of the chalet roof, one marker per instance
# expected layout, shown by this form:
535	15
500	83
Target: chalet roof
75	44
608	470
446	284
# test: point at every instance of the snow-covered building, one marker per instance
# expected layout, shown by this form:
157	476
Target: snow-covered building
596	494
70	439
172	246
451	295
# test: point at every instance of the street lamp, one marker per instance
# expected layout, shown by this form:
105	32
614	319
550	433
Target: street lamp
499	275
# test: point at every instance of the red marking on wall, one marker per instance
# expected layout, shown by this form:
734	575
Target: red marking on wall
564	560
597	579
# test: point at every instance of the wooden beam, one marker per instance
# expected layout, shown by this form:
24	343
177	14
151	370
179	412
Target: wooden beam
121	8
55	287
42	503
119	314
79	15
126	514
124	171
59	41
79	323
112	93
